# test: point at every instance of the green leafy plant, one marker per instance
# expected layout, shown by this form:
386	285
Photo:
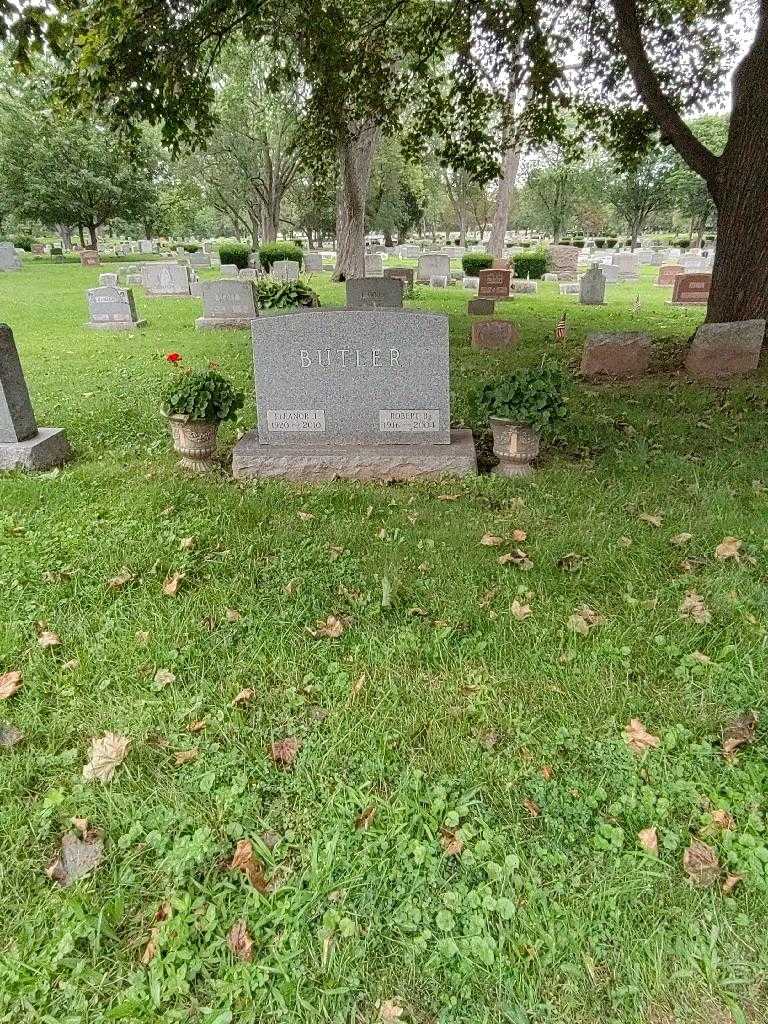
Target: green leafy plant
600	242
287	295
534	397
531	264
610	243
191	247
201	395
24	242
235	252
683	243
474	262
270	252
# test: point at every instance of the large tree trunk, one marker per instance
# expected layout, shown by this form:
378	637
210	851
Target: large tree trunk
92	232
65	234
355	159
503	197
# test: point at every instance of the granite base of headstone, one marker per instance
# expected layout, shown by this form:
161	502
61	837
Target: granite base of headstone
24	445
723	351
616	354
490	335
481	307
354	395
112	308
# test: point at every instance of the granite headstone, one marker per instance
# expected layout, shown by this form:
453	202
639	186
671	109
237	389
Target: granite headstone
227	304
112	308
374	293
166	280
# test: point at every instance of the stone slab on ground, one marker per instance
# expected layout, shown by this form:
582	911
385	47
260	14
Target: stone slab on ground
317	463
47	449
721	351
481	307
616	354
489	335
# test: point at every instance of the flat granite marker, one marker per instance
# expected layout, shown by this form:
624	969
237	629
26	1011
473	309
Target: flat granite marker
488	335
112	309
721	351
374	293
9	259
616	354
23	445
481	307
227	304
352	394
166	281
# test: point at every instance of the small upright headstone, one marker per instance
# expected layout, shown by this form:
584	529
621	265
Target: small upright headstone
616	354
432	265
285	270
201	260
106	280
627	265
565	261
523	286
229	270
438	281
166	280
313	262
374	266
668	273
569	288
404	274
9	259
112	308
494	334
146	245
481	307
374	293
691	289
38	249
494	284
592	287
23	445
247	274
227	304
721	351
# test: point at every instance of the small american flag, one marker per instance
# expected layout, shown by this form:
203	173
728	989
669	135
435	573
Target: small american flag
561	331
636	305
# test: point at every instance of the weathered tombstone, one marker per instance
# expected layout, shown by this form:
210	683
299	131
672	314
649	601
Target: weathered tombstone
721	351
227	304
616	354
146	245
523	286
23	445
470	282
564	260
111	308
254	261
353	394
201	260
285	270
432	265
229	270
438	281
105	280
494	334
9	260
195	285
313	262
644	256
569	288
668	273
404	274
374	267
627	265
494	284
374	293
691	289
248	274
481	307
592	287
549	276
610	273
38	249
131	279
166	280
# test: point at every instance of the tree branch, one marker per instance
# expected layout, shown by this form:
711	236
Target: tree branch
673	127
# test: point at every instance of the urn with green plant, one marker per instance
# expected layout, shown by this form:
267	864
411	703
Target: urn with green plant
196	402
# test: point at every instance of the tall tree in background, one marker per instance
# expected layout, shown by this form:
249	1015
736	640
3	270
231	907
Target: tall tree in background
692	194
643	190
393	201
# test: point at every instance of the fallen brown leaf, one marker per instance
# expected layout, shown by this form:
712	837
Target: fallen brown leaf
124	576
9	684
490	540
142	637
232	615
649	840
332	628
448	497
638	737
729	548
517	557
197	726
547	772
701	864
363	820
652	519
186	756
283	752
693	607
49	639
584	619
164	677
107	753
571	562
240	942
739	733
244	860
390	1011
305	516
680	539
533	808
150	950
730	883
723	819
520	611
451	843
518	536
77	856
243	697
172	584
10	735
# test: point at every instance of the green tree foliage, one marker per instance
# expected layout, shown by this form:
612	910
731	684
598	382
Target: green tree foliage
393	199
645	189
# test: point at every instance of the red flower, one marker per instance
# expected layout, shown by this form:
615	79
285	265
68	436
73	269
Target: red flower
173	357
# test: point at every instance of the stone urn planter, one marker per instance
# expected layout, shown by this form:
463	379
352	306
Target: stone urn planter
516	447
195	441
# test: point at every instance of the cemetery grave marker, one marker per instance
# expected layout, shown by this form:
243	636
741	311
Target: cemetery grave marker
23	445
229	270
374	266
488	335
112	308
592	287
166	280
564	260
432	265
227	304
313	262
200	259
668	273
494	284
285	270
248	274
691	290
374	293
105	280
616	354
9	259
481	307
404	274
721	351
352	394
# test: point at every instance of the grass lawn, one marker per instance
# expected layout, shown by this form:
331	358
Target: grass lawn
457	835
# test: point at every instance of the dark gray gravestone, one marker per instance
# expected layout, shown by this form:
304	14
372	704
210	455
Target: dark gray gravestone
404	274
374	293
112	309
480	307
23	445
227	304
313	262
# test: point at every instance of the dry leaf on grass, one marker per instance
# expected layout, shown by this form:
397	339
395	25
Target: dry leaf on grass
49	639
518	557
283	752
451	843
653	520
305	516
244	697
332	628
244	860
520	611
240	942
363	820
649	840
164	677
187	543
739	733
77	857
10	735
729	548
197	726
124	576
693	607
730	883
107	753
584	619
186	756
448	497
722	819
232	615
142	637
624	542
533	808
638	737
162	914
390	1011
490	540
172	584
701	864
9	684
571	562
680	539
